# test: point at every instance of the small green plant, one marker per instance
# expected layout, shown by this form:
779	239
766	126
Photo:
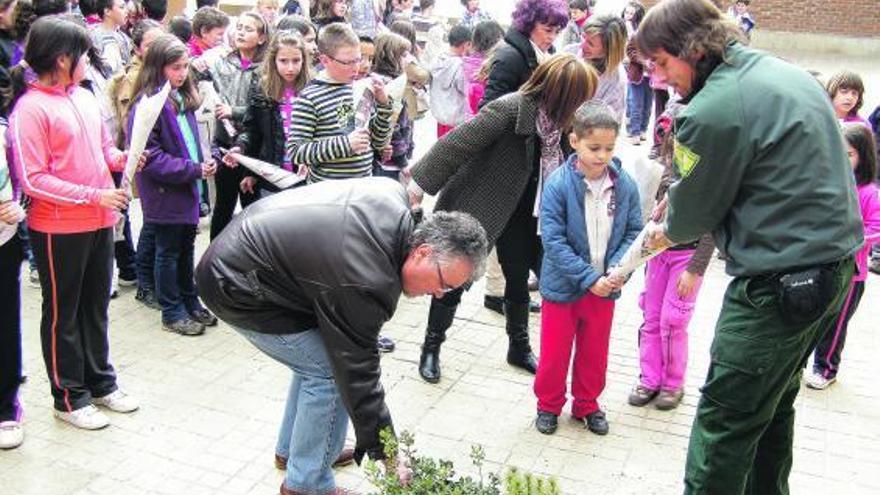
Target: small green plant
518	483
438	476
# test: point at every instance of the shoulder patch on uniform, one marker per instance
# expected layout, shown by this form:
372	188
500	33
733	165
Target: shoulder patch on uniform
684	159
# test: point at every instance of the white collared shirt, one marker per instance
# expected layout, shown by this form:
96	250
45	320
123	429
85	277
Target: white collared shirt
599	217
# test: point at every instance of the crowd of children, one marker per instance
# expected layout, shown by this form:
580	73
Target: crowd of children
280	84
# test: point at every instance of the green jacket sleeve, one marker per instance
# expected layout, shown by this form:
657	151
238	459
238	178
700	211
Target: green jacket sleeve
711	155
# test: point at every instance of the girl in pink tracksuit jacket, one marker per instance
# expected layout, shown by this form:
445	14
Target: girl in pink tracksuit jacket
64	155
862	155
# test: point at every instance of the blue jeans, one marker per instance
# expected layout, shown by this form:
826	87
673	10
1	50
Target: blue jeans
315	421
146	257
175	285
639	98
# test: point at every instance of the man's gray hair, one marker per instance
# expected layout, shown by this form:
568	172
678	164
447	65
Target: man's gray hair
454	235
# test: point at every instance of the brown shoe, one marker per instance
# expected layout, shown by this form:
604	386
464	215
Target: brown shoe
668	399
345	458
338	491
641	395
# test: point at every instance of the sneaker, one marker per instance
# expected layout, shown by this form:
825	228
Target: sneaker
596	422
34	278
643	137
534	306
816	381
634	140
186	326
117	401
114	293
127	282
385	344
204	210
874	265
546	422
641	395
87	418
204	317
668	400
11	435
147	297
534	283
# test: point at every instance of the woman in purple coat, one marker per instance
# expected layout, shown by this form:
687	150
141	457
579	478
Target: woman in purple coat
168	185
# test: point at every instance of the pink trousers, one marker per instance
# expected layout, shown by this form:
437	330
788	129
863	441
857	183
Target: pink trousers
663	338
585	324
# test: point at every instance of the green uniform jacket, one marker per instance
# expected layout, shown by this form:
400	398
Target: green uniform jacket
763	168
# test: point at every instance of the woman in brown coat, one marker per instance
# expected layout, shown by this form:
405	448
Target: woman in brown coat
492	167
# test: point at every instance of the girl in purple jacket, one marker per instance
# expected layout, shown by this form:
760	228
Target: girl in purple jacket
168	185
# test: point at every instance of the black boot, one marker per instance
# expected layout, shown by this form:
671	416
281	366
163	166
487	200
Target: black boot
439	320
519	352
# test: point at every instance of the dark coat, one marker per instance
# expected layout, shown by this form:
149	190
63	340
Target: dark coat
484	166
262	134
168	183
328	257
512	65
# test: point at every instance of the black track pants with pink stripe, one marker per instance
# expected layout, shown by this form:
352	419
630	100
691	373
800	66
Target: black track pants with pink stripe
75	274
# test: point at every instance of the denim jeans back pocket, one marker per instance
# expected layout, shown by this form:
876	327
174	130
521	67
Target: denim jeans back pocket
737	376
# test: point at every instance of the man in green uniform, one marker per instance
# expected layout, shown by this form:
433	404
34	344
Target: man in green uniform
764	169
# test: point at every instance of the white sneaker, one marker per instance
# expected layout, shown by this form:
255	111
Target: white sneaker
11	434
816	381
118	401
87	418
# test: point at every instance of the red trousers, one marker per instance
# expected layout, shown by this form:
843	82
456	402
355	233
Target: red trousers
586	323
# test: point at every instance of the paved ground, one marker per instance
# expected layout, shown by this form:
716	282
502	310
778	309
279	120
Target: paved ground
211	407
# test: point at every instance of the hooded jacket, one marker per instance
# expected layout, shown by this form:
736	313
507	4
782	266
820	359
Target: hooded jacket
328	257
449	91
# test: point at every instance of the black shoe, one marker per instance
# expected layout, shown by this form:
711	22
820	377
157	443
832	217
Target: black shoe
546	422
440	318
519	351
204	210
534	306
147	297
186	326
385	344
204	317
494	303
597	423
429	365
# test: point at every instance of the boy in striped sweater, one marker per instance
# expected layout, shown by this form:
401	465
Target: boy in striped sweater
324	135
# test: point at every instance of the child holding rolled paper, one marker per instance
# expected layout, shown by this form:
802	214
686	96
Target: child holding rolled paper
672	283
590	215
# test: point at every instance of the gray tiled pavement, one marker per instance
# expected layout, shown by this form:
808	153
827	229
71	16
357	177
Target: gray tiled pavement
211	407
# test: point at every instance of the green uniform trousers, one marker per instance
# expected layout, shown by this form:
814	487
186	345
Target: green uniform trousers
742	434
